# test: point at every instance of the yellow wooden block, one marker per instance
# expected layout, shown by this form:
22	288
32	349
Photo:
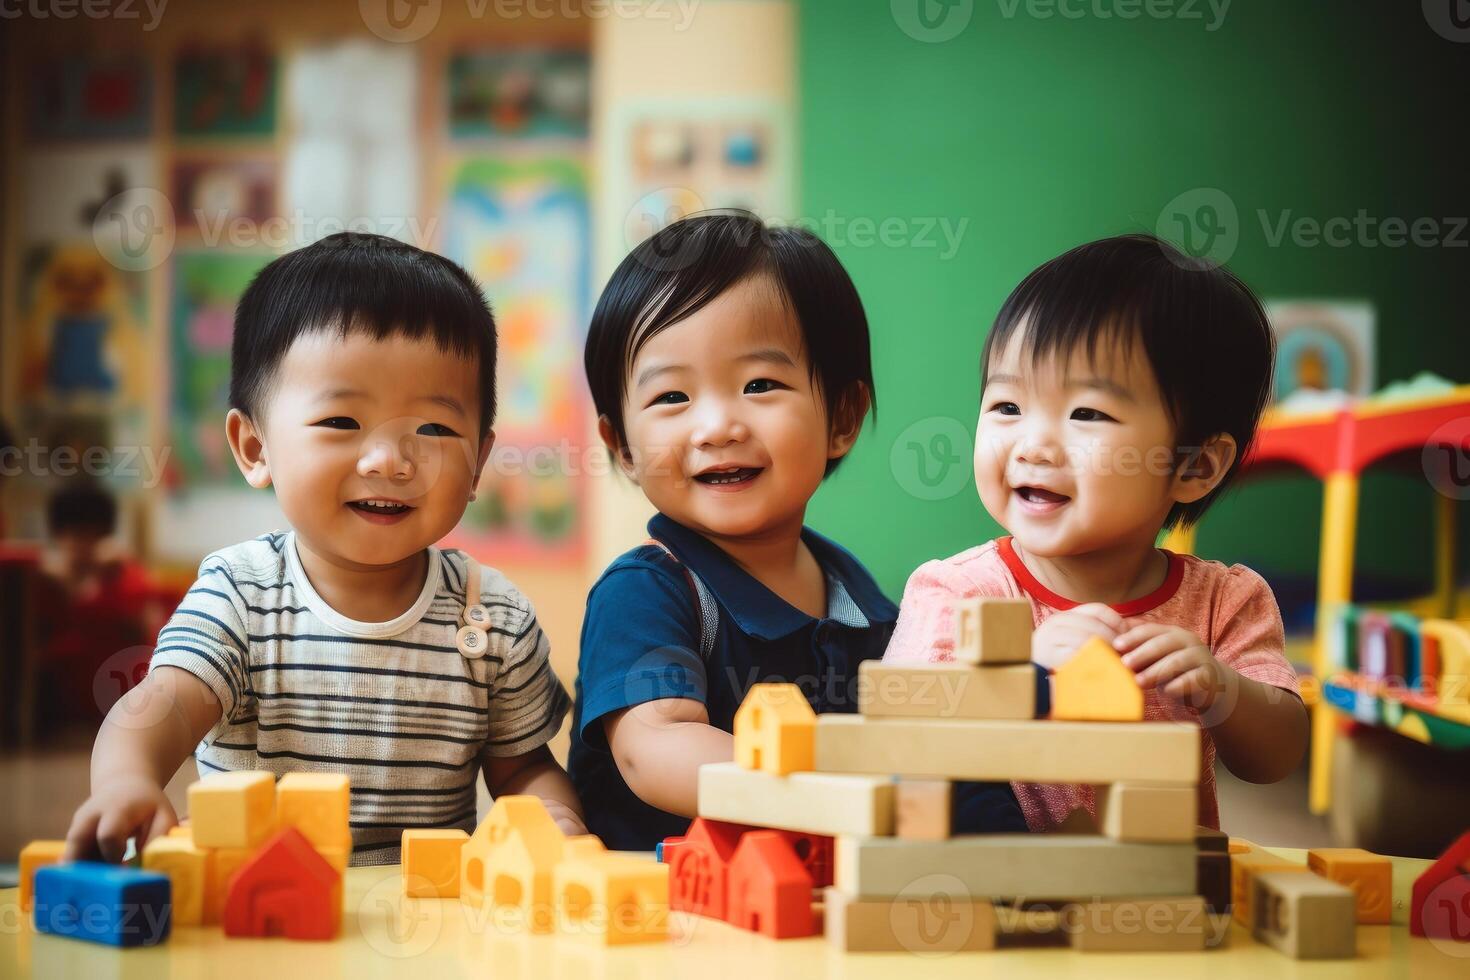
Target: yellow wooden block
1148	811
583	845
946	690
1369	875
318	804
233	809
36	854
1243	869
989	630
1239	845
508	860
805	802
774	727
187	867
430	860
221	864
1095	685
182	831
613	899
337	857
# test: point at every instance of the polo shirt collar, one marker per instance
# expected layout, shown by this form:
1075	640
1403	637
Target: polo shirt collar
757	610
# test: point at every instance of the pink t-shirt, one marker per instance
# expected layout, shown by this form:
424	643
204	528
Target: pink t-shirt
1230	608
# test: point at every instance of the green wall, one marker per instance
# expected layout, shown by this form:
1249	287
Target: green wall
1047	132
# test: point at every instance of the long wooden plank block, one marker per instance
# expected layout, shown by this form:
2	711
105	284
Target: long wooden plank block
946	691
932	924
808	802
1006	866
1025	751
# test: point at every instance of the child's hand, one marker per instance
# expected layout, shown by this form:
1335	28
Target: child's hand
1175	661
566	818
129	806
1055	641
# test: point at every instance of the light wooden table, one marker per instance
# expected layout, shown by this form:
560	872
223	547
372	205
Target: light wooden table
386	936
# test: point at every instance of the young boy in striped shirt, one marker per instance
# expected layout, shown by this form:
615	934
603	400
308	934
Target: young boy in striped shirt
363	391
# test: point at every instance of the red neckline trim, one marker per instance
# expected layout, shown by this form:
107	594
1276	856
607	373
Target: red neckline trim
1133	607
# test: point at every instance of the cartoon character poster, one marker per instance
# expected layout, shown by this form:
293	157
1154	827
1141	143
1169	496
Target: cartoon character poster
522	230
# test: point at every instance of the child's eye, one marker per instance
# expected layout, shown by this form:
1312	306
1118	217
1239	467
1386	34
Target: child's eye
670	398
761	385
338	422
1090	415
1006	408
436	429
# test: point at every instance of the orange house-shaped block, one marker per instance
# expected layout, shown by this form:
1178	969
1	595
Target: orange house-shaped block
775	730
1095	685
509	859
287	889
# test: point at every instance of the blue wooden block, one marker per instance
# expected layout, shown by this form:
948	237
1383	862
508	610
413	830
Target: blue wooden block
658	851
104	903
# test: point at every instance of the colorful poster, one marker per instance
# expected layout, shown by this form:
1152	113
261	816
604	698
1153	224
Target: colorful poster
1323	346
225	91
84	98
206	287
519	93
522	230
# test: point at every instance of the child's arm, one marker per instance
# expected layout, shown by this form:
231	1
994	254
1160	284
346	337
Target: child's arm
144	739
659	746
537	773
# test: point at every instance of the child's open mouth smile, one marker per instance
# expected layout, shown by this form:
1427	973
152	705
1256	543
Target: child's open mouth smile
1039	500
729	479
380	510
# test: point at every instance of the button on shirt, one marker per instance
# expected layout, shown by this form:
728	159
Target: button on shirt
641	641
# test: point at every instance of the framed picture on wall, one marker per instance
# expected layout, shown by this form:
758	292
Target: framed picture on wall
519	93
1323	346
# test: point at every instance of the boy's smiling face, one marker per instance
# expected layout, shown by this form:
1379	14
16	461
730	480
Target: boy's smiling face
372	446
1072	456
727	430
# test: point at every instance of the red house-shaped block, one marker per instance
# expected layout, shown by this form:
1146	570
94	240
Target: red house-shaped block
770	889
698	866
287	889
1441	899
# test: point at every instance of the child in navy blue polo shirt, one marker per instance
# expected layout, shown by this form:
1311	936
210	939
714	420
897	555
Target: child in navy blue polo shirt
730	368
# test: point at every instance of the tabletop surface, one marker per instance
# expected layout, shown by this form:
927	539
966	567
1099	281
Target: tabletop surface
385	935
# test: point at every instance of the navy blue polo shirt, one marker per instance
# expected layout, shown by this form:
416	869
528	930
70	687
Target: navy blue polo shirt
641	642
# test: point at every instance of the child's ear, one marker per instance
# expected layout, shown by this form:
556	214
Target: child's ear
247	442
486	444
847	420
1204	468
615	448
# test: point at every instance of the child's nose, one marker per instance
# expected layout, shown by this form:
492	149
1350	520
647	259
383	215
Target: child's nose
386	459
718	425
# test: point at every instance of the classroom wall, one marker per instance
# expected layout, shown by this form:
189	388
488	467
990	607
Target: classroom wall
1044	132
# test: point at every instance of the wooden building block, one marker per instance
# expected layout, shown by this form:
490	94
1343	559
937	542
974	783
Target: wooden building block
1239	845
1212	880
430	859
102	903
318	804
220	866
1211	840
773	730
508	861
285	889
182	830
186	866
1244	867
36	854
770	889
1138	925
612	899
1148	812
1440	901
1305	916
946	690
1034	866
920	924
1095	685
1369	875
923	808
233	809
1028	751
989	631
811	802
699	863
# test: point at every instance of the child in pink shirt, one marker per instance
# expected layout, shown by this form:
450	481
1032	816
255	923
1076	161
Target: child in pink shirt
1122	384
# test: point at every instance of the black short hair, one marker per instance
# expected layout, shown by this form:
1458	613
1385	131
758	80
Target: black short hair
83	507
678	270
353	282
1203	331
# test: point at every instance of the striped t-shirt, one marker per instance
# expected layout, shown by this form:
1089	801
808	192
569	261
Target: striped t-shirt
394	705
